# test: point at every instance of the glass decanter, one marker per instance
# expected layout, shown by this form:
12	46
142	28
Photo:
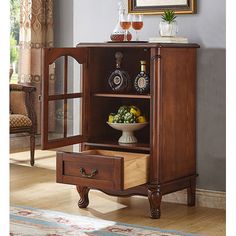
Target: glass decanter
119	33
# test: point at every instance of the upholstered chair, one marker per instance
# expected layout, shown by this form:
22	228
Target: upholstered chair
22	114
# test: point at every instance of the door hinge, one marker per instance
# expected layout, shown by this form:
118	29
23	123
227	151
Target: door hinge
155	57
39	98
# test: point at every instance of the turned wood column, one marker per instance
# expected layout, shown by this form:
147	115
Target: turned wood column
83	192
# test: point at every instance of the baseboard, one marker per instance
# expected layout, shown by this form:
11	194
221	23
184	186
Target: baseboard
204	198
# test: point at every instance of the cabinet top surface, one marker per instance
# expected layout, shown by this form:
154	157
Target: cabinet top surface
138	45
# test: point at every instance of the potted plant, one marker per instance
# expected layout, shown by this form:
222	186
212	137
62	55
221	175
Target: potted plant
168	26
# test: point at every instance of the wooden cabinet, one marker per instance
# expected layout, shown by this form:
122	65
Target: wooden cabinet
163	160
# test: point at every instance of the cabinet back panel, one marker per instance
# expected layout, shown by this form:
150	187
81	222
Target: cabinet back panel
102	63
100	110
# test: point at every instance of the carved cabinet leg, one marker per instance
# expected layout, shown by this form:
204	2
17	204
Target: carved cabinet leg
191	192
154	197
84	200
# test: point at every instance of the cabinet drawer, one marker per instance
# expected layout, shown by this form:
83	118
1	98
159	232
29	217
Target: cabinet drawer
103	169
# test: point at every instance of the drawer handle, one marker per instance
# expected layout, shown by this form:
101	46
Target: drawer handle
84	174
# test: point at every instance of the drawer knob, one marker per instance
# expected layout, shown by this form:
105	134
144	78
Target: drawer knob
84	174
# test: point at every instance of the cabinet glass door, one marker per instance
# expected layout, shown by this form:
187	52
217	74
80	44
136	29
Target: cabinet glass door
63	100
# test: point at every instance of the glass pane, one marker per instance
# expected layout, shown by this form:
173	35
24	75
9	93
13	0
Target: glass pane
58	126
56	77
74	114
74	82
56	119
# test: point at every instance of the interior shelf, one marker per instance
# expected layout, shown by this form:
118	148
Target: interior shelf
112	95
110	144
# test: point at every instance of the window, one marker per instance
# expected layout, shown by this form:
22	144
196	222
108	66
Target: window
14	40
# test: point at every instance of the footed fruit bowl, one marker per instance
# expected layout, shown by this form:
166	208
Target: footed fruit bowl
127	131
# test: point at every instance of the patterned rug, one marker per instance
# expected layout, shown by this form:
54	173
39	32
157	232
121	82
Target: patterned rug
27	221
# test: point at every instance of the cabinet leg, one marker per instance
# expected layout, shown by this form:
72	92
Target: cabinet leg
191	192
84	200
32	149
154	197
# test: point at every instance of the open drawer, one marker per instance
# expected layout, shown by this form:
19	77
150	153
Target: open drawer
103	169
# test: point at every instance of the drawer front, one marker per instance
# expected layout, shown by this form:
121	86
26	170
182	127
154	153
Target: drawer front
103	169
90	170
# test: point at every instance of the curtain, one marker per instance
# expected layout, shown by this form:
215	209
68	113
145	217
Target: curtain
36	32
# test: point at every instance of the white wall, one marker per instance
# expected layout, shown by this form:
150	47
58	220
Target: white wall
63	23
91	20
95	20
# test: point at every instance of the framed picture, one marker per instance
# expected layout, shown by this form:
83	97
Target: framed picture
159	6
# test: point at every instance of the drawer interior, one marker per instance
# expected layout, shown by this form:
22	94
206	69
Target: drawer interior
109	153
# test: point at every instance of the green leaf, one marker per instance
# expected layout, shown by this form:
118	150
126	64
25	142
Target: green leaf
168	16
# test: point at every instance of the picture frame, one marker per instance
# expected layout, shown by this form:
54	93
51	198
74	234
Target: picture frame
159	6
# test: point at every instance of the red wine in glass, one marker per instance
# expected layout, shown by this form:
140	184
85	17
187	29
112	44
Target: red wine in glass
125	25
137	24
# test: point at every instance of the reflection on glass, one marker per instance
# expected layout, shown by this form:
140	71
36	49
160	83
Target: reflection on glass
55	119
74	84
56	76
65	122
74	112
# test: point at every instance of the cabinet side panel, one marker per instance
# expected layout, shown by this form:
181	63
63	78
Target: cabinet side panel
178	75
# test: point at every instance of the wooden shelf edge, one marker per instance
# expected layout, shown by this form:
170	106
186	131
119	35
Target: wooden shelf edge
141	146
109	95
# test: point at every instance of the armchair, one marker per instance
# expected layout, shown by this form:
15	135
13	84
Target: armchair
22	114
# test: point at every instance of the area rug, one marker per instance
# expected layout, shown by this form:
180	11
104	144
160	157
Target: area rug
27	221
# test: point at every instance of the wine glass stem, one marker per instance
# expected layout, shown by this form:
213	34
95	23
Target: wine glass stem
126	34
137	38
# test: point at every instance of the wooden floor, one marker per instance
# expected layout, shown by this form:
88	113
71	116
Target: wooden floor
36	187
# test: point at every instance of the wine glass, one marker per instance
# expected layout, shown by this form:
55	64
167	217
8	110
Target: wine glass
125	23
137	24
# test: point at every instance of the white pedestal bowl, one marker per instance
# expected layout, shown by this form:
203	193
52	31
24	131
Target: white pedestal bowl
127	131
